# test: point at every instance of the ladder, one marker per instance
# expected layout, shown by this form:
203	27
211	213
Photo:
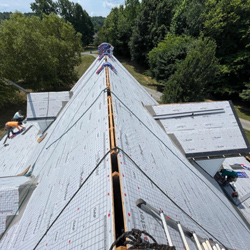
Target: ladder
201	243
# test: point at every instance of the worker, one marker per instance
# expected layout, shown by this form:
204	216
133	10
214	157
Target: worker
230	174
10	125
18	116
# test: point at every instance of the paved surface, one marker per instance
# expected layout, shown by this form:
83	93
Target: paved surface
155	94
245	124
94	53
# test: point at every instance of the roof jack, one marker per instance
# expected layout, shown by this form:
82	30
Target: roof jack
200	242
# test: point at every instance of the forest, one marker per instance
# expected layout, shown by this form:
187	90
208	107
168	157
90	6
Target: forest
197	49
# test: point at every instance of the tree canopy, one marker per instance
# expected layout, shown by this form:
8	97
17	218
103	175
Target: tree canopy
166	36
71	12
227	22
39	53
191	79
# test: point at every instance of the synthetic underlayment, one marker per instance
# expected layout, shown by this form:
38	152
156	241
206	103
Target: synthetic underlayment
45	104
203	127
149	157
74	156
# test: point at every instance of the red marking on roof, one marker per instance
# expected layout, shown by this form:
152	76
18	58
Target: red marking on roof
145	169
78	208
69	241
138	187
46	244
107	160
160	208
82	179
117	138
146	238
3	222
121	162
130	155
108	176
107	148
120	156
176	215
108	215
168	217
122	175
125	194
108	193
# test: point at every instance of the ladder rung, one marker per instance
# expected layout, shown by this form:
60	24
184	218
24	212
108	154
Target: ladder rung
204	244
218	247
166	229
197	241
208	244
183	236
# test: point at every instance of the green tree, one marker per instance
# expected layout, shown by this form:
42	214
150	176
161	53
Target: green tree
188	17
41	7
39	53
81	21
164	59
82	24
194	74
98	22
151	26
7	93
132	8
71	12
245	95
227	22
116	30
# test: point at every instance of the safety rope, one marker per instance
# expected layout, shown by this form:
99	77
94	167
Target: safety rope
176	156
33	166
72	197
134	239
77	119
197	223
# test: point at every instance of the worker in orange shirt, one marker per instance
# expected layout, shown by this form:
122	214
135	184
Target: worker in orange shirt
10	125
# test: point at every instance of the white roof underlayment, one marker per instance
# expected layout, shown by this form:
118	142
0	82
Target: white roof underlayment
153	169
204	129
45	104
71	208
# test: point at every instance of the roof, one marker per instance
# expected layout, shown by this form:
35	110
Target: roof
102	153
204	129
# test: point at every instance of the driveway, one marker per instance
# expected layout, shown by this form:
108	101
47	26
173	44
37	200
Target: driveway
245	124
94	53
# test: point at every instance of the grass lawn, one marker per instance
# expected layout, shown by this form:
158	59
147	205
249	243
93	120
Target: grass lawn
90	48
86	62
242	112
140	74
247	132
